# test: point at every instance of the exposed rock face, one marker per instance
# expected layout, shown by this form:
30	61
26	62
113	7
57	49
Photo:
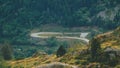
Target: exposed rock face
109	14
112	52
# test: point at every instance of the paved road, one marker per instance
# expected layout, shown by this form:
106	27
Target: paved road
82	35
41	35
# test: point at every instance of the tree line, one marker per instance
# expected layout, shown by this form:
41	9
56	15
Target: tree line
19	17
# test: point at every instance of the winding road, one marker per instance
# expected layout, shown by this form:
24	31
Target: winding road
60	36
41	35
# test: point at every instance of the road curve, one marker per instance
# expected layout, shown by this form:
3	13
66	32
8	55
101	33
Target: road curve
82	35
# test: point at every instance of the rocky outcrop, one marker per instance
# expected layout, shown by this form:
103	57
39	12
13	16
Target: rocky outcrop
112	52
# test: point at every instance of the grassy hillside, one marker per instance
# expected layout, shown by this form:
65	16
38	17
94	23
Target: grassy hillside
110	39
80	55
43	59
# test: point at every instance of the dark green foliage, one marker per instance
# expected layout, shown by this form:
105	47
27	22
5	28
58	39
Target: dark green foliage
65	43
22	51
61	51
19	17
1	61
6	52
95	49
52	41
105	58
63	60
117	18
84	62
3	64
113	62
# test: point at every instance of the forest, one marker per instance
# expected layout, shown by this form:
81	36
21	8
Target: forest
18	17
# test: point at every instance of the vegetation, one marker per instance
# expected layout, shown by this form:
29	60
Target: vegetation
61	51
107	55
3	63
52	41
81	55
95	49
6	52
20	18
95	55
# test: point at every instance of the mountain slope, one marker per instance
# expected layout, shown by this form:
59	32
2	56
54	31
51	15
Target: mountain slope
110	39
19	17
80	55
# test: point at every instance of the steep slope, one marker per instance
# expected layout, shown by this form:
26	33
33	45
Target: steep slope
80	55
111	39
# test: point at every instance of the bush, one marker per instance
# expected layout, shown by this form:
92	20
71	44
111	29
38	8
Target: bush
84	62
77	62
63	60
113	62
52	41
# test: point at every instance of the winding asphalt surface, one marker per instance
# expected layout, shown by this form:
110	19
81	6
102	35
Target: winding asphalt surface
41	35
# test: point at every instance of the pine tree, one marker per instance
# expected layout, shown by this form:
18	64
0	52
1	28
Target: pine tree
61	51
95	49
6	52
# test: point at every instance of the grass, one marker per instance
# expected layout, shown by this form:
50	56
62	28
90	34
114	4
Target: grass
32	62
57	28
72	57
76	45
110	44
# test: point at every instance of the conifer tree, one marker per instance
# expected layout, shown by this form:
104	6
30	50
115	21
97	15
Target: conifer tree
95	49
61	51
6	52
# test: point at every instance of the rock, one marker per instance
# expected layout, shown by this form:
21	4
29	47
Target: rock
113	53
